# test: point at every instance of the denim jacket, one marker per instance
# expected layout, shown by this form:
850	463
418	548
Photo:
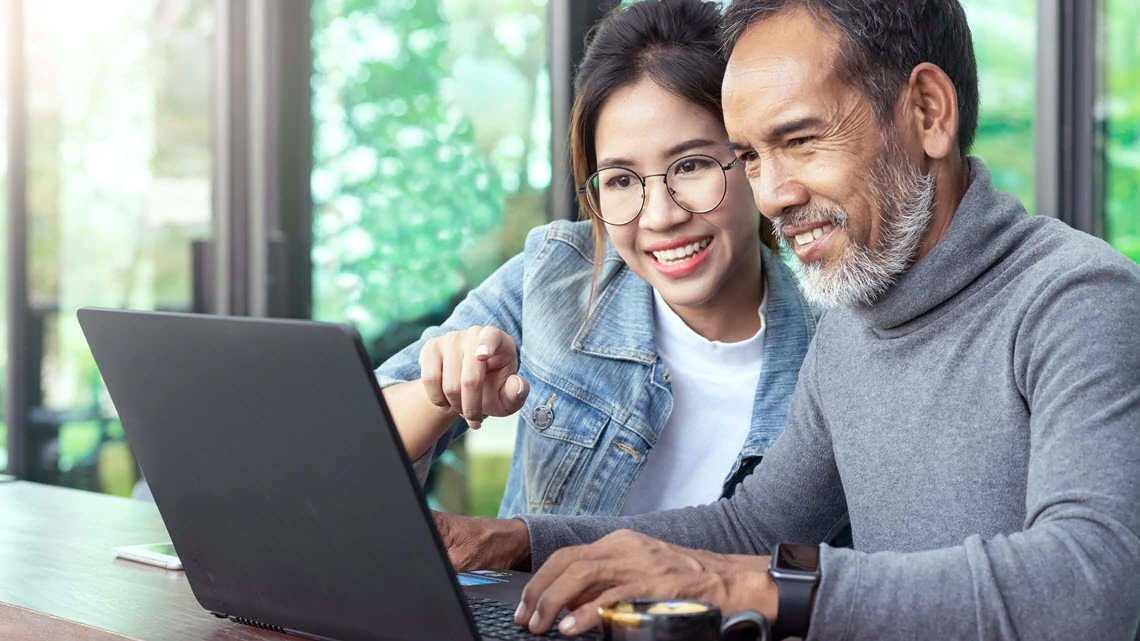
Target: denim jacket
599	392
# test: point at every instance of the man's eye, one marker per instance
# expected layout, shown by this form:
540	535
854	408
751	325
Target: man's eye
749	157
801	141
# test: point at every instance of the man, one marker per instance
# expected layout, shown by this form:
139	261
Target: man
972	398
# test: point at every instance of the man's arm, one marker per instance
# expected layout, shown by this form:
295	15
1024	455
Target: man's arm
1074	572
794	495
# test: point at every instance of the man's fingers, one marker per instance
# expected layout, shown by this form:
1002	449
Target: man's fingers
585	617
542	579
609	552
581	581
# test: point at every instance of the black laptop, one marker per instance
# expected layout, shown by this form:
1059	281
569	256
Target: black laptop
282	482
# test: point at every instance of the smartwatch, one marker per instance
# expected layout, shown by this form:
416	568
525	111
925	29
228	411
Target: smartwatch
795	570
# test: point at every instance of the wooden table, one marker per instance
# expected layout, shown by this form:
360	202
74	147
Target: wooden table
60	580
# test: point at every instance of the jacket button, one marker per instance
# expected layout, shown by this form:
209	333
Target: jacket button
665	376
543	416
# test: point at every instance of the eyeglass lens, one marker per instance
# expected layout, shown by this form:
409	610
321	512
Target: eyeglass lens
696	184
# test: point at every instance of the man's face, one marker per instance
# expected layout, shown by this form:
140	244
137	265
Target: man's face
841	192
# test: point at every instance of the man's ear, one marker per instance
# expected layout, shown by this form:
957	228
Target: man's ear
933	103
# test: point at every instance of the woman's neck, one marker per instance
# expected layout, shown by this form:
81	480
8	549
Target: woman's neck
732	314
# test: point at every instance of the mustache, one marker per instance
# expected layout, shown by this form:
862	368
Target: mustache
834	215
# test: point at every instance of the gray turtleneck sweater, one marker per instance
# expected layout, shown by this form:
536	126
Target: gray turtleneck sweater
981	425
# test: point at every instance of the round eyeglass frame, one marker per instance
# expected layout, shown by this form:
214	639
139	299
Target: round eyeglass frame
724	169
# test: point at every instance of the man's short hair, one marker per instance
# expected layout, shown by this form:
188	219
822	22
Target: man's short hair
883	41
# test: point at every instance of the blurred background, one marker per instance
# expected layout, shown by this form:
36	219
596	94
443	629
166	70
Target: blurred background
370	162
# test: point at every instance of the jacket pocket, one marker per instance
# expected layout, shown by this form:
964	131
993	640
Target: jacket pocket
561	433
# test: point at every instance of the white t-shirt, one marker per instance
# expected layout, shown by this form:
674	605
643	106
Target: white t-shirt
714	386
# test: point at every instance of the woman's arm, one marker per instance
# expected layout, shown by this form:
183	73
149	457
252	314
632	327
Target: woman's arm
420	391
419	422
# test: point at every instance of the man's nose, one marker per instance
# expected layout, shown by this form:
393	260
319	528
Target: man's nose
776	189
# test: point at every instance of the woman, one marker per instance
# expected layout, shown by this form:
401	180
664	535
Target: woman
653	349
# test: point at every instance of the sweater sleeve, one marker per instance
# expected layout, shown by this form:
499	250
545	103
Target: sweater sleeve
793	495
1074	570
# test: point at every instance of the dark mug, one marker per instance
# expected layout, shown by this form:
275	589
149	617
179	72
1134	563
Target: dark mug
678	620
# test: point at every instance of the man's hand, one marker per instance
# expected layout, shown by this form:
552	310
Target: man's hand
480	543
626	565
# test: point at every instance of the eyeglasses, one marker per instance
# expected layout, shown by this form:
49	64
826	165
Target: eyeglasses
696	183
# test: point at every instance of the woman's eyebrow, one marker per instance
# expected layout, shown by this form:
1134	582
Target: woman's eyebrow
689	145
675	150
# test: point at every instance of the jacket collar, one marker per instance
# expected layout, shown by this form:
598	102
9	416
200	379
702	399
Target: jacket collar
790	328
621	324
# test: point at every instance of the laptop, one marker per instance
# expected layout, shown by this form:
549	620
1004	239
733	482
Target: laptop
283	484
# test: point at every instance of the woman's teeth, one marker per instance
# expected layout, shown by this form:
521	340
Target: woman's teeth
809	236
678	254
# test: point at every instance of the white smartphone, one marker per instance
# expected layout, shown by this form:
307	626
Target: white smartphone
160	554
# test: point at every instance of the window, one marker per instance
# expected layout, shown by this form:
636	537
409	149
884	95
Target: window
119	165
3	233
1121	58
431	162
1005	44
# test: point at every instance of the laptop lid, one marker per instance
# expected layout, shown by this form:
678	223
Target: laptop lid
276	468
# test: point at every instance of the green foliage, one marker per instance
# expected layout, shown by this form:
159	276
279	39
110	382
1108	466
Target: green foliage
431	162
400	188
1121	57
487	480
1005	44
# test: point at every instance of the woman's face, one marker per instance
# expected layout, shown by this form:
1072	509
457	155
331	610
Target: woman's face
693	260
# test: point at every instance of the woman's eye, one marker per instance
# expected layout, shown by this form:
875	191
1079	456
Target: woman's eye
620	182
693	165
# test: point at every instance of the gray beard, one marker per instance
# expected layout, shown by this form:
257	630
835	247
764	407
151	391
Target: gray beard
905	198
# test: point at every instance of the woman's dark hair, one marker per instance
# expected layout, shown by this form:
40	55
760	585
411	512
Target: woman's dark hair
674	43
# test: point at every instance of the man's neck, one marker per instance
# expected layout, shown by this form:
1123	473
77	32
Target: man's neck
951	181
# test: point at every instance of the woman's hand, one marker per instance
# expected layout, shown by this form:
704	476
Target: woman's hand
473	373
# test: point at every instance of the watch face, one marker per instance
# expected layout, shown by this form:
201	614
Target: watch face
797	557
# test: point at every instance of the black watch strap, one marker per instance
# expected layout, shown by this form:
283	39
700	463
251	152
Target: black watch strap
794	611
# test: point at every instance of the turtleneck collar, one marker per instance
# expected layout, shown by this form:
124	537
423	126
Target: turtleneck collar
979	236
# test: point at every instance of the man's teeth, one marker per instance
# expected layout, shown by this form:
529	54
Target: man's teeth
808	236
678	254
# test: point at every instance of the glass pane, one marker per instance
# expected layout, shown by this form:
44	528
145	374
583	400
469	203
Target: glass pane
1121	58
1005	43
431	162
3	231
119	165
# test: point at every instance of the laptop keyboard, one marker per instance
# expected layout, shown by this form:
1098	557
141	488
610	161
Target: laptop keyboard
496	620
